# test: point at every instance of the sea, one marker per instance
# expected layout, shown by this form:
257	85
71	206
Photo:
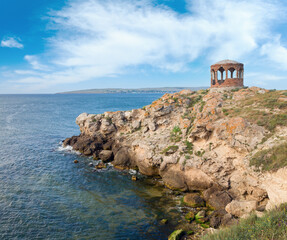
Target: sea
45	195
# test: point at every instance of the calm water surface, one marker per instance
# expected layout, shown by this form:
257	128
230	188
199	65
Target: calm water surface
44	195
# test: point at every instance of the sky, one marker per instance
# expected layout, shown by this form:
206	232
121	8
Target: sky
51	46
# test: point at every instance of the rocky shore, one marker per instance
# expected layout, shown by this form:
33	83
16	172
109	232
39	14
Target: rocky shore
199	143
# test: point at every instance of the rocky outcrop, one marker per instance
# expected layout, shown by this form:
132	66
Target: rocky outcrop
189	141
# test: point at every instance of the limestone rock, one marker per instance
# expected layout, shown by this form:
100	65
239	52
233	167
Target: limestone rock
276	186
122	158
239	208
209	149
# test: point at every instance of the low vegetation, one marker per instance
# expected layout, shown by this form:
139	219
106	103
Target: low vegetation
270	159
169	150
273	225
175	135
263	109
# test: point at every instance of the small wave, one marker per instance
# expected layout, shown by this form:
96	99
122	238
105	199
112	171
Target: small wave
132	172
68	149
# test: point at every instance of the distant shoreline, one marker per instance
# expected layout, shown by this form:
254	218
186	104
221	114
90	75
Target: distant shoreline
136	90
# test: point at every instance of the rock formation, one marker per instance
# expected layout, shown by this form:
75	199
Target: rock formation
191	141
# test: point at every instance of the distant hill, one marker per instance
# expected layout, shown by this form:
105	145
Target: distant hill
136	90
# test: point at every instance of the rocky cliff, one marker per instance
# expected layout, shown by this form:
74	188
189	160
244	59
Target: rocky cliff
204	141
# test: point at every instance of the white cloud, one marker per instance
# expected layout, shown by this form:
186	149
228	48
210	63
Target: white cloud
276	53
34	61
103	38
263	78
11	42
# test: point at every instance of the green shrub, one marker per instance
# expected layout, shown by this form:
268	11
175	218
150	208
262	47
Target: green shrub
189	147
199	153
175	135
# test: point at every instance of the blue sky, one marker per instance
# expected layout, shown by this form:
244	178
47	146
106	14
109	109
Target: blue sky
51	46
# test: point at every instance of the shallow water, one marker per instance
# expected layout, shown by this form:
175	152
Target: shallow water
44	195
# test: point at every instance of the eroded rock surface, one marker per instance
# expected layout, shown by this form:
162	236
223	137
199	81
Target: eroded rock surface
189	141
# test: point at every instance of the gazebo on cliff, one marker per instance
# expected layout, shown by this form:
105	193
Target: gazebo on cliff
227	74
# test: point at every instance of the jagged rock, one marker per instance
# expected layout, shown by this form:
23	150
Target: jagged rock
106	155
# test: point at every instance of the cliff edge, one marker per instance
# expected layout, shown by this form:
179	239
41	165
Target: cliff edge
224	145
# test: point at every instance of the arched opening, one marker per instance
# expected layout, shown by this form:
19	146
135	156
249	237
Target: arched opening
221	75
231	73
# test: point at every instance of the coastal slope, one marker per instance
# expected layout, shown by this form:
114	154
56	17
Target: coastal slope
220	144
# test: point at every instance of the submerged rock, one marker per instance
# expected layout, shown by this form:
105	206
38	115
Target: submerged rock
164	221
176	235
193	200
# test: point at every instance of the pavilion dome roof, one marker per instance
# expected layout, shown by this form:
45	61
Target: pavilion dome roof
227	61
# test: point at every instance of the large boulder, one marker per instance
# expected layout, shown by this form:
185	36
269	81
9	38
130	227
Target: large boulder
173	178
122	158
240	208
196	179
106	155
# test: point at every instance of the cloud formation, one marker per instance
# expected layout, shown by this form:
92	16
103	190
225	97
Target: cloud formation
276	52
105	38
11	42
34	61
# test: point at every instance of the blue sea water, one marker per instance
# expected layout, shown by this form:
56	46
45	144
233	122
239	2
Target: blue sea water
44	195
